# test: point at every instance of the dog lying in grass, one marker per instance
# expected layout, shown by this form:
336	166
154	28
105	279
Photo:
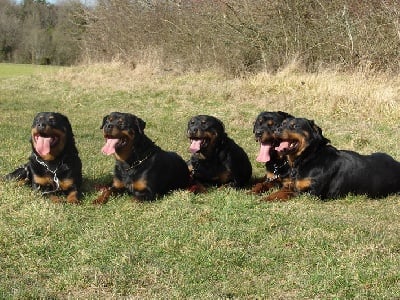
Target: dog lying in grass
276	166
322	170
54	166
142	168
216	158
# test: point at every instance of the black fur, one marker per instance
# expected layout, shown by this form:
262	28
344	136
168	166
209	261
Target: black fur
217	158
58	171
141	168
276	166
324	171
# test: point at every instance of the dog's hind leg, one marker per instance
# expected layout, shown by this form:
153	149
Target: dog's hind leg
21	174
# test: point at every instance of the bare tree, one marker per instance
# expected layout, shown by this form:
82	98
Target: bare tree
9	30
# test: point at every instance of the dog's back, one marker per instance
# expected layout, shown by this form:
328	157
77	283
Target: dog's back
336	173
173	174
239	163
376	175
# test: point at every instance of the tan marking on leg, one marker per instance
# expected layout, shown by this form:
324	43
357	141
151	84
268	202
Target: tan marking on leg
73	197
65	184
139	185
283	194
303	185
55	199
103	198
106	193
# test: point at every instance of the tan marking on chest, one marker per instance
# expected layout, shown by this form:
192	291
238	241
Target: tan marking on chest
42	180
118	183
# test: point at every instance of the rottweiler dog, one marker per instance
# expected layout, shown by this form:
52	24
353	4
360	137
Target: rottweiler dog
324	171
276	166
142	168
216	158
54	166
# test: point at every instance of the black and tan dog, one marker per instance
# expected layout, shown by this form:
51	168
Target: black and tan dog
54	166
216	158
324	171
276	166
141	168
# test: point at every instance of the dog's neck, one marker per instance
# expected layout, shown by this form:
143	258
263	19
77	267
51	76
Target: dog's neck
143	148
52	166
211	154
307	154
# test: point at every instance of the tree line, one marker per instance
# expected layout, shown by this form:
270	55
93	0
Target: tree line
237	36
37	32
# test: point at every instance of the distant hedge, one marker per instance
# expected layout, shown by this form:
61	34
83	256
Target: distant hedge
246	36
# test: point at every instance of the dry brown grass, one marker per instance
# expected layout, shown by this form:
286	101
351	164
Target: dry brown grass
325	94
357	111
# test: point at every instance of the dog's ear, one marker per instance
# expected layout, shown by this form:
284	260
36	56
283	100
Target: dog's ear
256	121
220	125
141	125
318	132
284	114
220	130
65	121
104	121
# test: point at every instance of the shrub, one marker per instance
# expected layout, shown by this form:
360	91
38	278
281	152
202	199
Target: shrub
242	36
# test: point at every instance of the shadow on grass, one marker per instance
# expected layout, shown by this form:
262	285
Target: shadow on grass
94	185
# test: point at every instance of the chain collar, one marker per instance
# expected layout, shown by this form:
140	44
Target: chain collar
55	178
140	161
277	168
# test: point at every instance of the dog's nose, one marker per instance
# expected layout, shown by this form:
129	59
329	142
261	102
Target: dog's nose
193	130
41	126
258	132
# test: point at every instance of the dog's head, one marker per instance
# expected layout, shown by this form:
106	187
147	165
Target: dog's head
51	133
297	135
121	131
205	133
264	132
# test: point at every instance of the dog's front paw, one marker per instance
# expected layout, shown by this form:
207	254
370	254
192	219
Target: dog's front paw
281	195
261	187
103	198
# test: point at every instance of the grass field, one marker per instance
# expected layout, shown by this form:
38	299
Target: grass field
224	244
13	70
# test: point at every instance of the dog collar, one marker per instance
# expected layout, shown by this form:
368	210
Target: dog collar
55	178
140	161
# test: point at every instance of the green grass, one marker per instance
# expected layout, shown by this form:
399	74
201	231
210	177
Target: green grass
12	70
221	244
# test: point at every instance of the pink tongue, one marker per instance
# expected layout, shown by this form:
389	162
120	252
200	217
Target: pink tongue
109	147
195	146
263	155
282	146
43	145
